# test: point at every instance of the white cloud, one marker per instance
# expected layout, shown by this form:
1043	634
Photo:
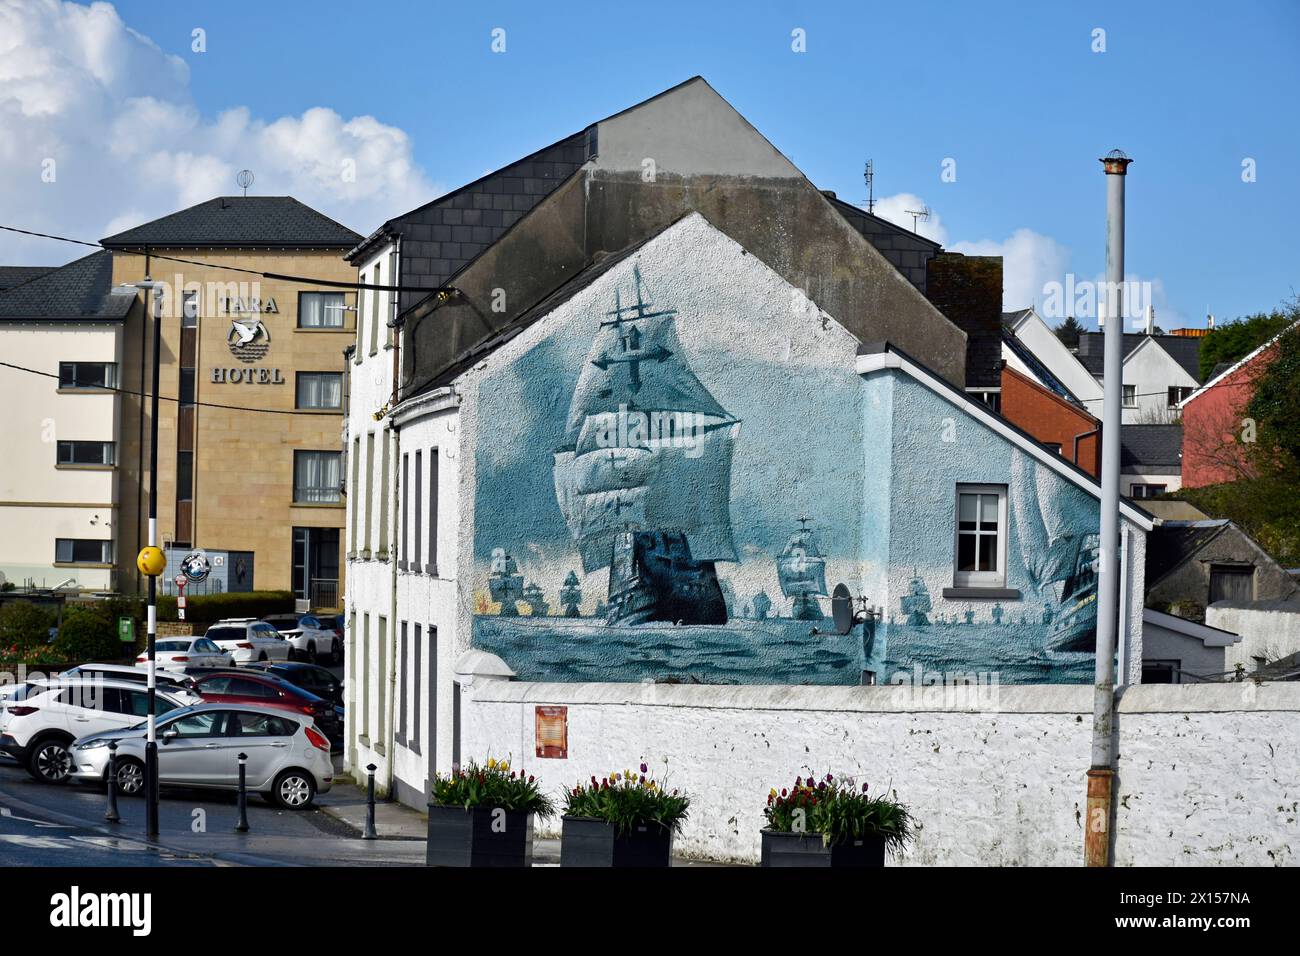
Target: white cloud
113	114
1030	260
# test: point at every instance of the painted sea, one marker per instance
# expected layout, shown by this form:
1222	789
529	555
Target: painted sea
772	651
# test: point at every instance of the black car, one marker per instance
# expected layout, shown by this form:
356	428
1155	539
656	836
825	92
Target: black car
310	677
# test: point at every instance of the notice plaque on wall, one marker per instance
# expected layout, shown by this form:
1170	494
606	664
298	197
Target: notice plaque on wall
552	732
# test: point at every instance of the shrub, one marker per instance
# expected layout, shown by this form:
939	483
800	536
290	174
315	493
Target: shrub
210	608
627	800
87	633
839	811
491	785
24	629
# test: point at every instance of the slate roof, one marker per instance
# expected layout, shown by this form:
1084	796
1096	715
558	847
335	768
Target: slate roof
1171	543
11	276
1185	350
235	221
1151	445
441	237
907	251
81	291
1041	371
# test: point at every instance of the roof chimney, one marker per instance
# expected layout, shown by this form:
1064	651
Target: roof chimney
1151	320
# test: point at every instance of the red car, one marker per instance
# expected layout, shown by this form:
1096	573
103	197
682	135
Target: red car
248	688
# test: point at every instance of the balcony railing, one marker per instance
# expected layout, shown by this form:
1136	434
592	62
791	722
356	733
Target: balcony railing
325	592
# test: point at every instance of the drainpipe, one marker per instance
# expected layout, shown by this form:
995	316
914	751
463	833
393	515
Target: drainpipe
1101	775
390	743
1076	442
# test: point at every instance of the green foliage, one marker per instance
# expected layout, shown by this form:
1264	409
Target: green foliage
25	630
1068	332
89	634
627	800
839	811
491	785
210	608
1267	508
1237	339
1275	405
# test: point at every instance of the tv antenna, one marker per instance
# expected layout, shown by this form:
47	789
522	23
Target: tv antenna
921	215
244	178
869	175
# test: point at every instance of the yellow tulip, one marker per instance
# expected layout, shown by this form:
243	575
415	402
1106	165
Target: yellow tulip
492	763
504	766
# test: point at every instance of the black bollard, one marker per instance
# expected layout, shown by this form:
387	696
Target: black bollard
242	825
111	813
370	833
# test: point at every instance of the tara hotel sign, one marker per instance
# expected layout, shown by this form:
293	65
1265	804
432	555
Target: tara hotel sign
249	340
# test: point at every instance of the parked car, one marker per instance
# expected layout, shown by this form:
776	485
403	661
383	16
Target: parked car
310	677
178	653
40	725
248	639
288	758
311	639
248	687
177	682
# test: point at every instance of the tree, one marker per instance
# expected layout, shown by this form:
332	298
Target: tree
1275	406
1068	332
1237	339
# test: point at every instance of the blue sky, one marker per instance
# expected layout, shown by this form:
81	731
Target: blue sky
1012	92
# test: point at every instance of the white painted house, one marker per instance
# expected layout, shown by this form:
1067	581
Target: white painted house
59	487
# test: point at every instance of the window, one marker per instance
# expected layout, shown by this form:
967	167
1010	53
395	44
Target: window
353	489
365	678
382	684
404	676
1130	393
1160	672
190	309
320	310
245	724
383	495
187	386
432	566
320	390
374	313
1146	490
418	673
1177	393
1230	582
82	551
85	453
205	724
981	536
316	477
185	476
416	552
370	492
406	520
87	375
1055	446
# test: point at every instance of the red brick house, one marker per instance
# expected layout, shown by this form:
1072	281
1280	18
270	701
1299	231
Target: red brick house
1213	420
1053	420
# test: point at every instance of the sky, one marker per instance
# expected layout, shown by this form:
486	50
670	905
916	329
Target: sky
113	114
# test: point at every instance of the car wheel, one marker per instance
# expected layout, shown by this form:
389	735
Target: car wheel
336	652
294	790
261	658
50	760
130	776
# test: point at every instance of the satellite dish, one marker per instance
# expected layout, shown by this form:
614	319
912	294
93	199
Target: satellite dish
244	179
842	609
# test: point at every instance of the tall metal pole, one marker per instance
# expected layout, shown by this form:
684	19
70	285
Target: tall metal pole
151	742
1111	302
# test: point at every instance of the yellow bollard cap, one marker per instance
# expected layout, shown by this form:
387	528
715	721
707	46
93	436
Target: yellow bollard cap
151	561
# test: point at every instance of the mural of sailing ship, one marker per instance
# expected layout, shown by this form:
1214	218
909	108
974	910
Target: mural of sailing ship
916	602
536	601
654	507
801	569
505	583
571	595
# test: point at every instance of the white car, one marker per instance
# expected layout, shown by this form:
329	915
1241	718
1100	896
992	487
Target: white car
42	721
178	653
288	758
176	682
248	639
312	640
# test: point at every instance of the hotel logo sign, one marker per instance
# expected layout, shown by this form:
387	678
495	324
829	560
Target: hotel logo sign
249	339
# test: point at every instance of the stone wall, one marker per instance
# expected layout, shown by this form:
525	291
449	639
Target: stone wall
994	775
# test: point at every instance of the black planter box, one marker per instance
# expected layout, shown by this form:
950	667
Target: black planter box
803	849
589	842
460	837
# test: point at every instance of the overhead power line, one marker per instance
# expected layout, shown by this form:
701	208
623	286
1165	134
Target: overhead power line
282	277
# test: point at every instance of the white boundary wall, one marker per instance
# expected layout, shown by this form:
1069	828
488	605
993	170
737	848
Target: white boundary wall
1207	774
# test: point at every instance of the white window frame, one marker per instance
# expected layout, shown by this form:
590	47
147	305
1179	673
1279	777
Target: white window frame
980	579
1123	396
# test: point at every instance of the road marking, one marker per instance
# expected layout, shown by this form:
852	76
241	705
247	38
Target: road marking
9	815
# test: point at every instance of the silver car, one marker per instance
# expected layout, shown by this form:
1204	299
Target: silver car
288	758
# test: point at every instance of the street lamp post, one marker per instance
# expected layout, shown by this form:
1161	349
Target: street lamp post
148	286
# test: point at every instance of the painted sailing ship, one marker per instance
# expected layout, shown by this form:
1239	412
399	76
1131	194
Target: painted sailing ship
762	606
571	595
1075	627
505	583
801	569
644	476
916	602
536	601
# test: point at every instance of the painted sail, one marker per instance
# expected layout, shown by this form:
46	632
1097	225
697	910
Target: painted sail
646	445
1047	546
800	567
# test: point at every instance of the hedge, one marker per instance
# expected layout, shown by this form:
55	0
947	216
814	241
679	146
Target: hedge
210	608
